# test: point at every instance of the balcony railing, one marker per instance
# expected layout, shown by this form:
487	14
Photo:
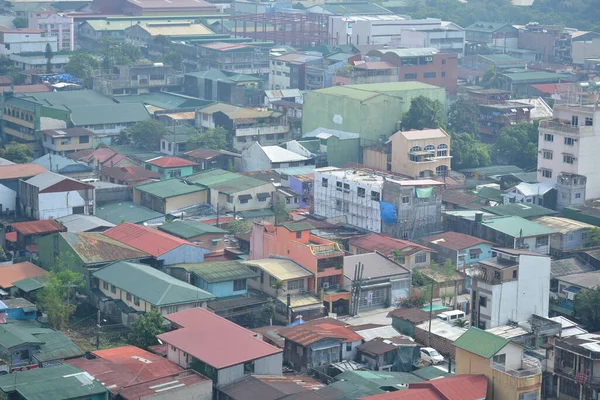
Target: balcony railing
325	249
529	367
262	130
569	372
565	127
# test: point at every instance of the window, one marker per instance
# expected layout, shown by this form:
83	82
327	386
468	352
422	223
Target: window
483	301
105	285
443	74
541	241
442	150
575	120
346	188
375	196
567	158
443	61
410	76
429	75
136	300
430	148
589	121
500	359
128	297
514	274
338	186
324	182
569	141
84	139
548	137
244	200
299	235
421	258
577	195
239	284
361	192
348	346
113	288
270	137
249	367
229	198
547	154
405	199
547	173
338	205
296	284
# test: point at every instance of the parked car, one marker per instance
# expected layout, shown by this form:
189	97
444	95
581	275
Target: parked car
431	355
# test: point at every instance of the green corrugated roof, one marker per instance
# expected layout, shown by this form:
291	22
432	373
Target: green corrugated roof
151	285
54	383
431	372
536	77
56	347
517	226
76	98
189	229
491	194
482	26
116	113
494	170
30	284
223	76
164	100
169	188
355	7
224	181
356	384
481	343
298	226
19	332
250	214
219	271
523	210
366	91
126	211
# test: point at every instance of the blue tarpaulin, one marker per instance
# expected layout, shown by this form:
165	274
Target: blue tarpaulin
389	213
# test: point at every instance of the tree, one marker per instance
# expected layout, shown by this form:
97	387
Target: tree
174	59
145	329
114	52
468	152
83	66
492	79
163	42
17	152
517	144
281	212
586	308
278	286
593	237
57	298
423	113
238	226
215	138
463	117
21	22
48	55
147	134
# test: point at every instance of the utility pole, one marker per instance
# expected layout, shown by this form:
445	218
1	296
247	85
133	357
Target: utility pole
430	314
98	326
356	289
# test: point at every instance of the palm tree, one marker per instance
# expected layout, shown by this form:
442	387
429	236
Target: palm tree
492	79
461	323
278	285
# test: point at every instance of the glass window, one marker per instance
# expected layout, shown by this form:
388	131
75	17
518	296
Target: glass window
568	159
128	296
429	75
361	192
113	288
421	257
548	137
375	196
541	241
296	284
547	155
547	173
136	301
324	182
239	284
338	186
569	141
105	285
410	76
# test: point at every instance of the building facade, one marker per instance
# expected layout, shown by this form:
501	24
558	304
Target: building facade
60	26
26	40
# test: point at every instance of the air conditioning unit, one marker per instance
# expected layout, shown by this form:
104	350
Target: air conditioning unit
325	285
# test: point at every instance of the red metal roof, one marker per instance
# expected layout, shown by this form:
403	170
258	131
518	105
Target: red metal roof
384	244
546	88
19	171
215	340
306	335
18	271
460	387
38	227
407	394
149	240
11	236
171	383
129	174
454	240
171	162
38	88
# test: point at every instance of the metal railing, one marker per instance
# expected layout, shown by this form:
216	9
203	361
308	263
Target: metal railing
529	367
262	130
560	126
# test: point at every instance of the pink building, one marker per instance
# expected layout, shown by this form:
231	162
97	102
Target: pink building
55	24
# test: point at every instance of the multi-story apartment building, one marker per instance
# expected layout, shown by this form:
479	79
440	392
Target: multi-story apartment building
289	70
26	40
240	58
551	43
497	34
65	141
139	79
511	286
55	24
568	142
577	367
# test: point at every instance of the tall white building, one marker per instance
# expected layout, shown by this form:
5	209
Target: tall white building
568	143
56	25
512	286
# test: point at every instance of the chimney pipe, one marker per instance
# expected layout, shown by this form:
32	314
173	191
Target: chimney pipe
478	217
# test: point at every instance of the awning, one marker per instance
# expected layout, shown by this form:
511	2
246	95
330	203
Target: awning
245	197
424	192
263	195
475	251
513	110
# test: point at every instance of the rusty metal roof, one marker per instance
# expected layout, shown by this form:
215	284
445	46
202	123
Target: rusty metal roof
96	248
38	227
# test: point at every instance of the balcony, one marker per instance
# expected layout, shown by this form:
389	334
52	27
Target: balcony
563	127
529	367
262	130
116	83
569	372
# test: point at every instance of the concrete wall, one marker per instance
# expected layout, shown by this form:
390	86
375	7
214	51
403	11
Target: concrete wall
60	204
441	344
184	254
8	199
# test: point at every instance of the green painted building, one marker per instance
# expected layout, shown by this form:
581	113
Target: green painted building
372	110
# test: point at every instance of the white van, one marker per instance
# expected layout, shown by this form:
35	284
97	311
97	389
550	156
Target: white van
451	316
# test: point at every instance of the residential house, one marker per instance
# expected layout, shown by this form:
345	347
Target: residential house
317	345
59	382
405	320
28	342
37	62
65	166
58	25
143	34
459	248
371	110
208	236
84	223
170	167
29	232
382	354
127	211
351	385
10	175
89	251
124	371
125	289
65	141
169	195
339	147
225	86
26	40
103	157
274	387
50	195
211	159
299	183
230	191
245	125
262	158
322	257
164	248
130	176
245	353
18	308
138	79
408	254
239	58
570	234
288	70
17	272
564	288
175	143
574	357
495	34
510	373
541	194
470	387
297	281
382	282
497	294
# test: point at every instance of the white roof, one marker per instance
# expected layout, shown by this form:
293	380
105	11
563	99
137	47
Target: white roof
423	134
533	189
279	94
324	133
278	154
562	225
541	108
443	329
83	223
47	179
384	332
376	265
508	331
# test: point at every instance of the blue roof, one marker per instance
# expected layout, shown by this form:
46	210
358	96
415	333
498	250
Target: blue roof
61	165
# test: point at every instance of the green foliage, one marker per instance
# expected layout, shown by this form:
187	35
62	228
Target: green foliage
48	55
174	59
468	152
21	22
17	152
83	66
147	134
298	6
586	308
398	257
281	212
517	144
145	329
461	323
493	79
115	52
238	226
278	286
215	138
414	301
57	298
419	279
463	117
593	237
423	113
3	256
163	42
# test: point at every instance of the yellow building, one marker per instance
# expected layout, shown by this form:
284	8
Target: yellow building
68	140
168	195
511	375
